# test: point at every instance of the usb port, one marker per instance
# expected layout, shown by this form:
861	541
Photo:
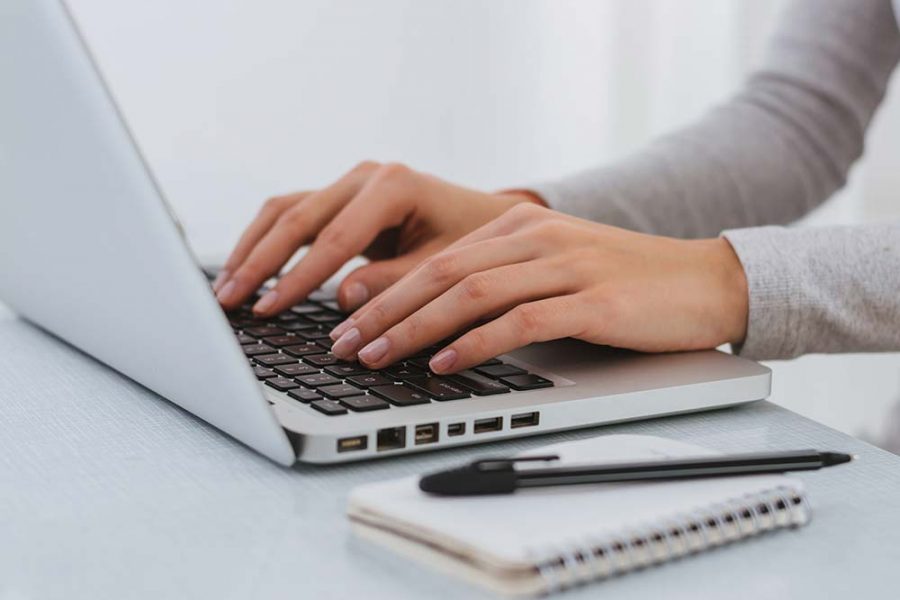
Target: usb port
426	434
349	444
485	425
454	429
525	420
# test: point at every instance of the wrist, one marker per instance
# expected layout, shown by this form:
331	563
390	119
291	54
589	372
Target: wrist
731	290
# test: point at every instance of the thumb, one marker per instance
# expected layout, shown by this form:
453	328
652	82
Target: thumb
368	281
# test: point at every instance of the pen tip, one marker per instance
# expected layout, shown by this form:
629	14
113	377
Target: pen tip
836	458
468	481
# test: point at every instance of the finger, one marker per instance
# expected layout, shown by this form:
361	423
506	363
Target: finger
368	281
271	210
540	321
462	305
295	227
432	278
375	279
383	202
509	222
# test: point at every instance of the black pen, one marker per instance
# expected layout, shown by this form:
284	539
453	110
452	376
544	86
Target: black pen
499	476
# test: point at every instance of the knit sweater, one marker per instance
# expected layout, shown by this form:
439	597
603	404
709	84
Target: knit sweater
776	150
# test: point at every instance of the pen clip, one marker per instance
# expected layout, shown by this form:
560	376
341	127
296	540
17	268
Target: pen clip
498	464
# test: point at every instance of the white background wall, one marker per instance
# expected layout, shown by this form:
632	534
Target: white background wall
236	100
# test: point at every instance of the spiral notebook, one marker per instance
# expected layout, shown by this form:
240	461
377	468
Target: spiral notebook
542	540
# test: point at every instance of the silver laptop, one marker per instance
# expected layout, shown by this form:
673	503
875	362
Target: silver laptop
90	252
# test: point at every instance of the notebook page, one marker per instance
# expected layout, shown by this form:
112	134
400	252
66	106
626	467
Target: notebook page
530	524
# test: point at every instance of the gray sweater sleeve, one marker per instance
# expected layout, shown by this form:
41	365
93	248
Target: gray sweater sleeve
775	151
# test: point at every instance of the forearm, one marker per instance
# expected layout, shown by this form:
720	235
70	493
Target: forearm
775	151
820	290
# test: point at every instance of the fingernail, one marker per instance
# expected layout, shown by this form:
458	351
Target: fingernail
375	351
341	328
443	360
266	302
221	278
225	294
356	295
347	344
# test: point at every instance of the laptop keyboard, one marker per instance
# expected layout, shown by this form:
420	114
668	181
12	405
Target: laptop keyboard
291	354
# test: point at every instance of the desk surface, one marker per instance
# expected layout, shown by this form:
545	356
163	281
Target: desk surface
108	491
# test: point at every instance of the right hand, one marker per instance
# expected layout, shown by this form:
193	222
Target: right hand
389	213
534	275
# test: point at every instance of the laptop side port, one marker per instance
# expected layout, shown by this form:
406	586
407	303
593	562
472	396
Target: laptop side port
427	434
454	429
392	438
359	442
525	420
485	425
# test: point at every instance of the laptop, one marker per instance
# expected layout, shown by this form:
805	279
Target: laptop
90	252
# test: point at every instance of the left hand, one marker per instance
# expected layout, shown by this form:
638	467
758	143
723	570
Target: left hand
534	275
393	215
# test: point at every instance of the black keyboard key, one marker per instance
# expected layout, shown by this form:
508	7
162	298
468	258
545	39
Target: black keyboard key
364	403
498	371
307	309
326	343
322	360
341	390
300	324
490	361
272	360
256	349
244	322
314	334
439	388
328	407
479	384
420	362
263	373
400	395
304	395
325	317
367	380
302	349
264	331
318	379
528	381
403	372
286	317
243	338
282	340
282	384
295	370
427	352
344	370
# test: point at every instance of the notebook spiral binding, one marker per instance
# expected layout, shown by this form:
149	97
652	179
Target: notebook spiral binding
591	559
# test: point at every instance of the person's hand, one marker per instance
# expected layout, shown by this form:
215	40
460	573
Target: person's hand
391	214
534	275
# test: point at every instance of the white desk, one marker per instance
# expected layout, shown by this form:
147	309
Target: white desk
107	491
